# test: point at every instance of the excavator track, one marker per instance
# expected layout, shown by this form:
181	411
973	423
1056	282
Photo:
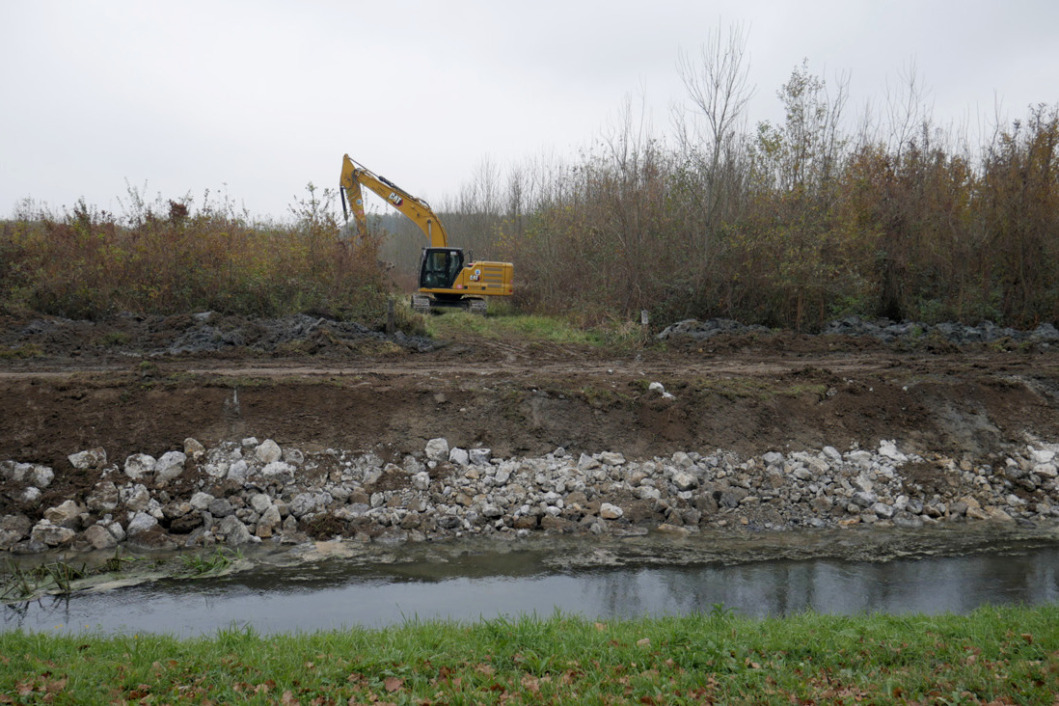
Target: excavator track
420	304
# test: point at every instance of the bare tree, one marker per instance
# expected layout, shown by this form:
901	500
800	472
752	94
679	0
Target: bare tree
906	109
718	89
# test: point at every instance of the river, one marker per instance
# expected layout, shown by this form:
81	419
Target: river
332	586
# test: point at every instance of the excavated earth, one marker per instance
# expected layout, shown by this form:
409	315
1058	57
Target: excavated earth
145	384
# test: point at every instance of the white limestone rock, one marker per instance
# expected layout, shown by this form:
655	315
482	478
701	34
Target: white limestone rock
170	466
268	451
194	449
51	534
86	460
66	514
139	466
141	522
437	449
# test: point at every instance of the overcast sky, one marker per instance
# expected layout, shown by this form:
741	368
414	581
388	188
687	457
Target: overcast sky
257	98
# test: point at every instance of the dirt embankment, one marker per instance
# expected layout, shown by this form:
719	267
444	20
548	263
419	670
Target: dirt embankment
65	387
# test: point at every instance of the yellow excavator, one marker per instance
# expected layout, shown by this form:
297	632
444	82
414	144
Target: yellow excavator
446	279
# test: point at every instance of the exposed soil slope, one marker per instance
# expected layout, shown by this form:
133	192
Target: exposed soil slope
121	385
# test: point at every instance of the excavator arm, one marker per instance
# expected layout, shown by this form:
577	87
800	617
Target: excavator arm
354	175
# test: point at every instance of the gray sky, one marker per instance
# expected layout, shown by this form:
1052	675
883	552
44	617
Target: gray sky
256	98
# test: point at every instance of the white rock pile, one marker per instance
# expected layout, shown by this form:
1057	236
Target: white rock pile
241	492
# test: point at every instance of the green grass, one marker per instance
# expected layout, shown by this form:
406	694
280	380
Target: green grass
194	565
999	655
503	323
56	577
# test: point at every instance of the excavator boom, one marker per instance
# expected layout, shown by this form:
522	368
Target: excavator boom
419	211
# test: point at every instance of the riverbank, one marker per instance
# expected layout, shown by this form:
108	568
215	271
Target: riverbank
257	492
994	655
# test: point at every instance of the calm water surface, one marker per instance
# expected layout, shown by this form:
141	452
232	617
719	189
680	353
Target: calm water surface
335	594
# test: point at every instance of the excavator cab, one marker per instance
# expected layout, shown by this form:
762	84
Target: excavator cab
440	267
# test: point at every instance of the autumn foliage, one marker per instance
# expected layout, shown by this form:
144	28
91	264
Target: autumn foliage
788	224
171	257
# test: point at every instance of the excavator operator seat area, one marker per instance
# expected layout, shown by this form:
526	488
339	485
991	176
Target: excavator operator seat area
440	268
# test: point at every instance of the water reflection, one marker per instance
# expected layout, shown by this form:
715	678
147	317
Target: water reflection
939	585
334	595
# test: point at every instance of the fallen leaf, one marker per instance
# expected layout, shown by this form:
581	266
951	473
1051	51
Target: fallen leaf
392	684
644	642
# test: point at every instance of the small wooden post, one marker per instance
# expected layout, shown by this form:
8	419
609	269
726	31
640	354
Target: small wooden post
390	325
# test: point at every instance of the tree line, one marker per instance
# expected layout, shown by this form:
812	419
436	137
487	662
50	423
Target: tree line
788	224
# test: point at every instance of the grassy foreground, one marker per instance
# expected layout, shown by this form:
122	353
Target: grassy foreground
995	655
